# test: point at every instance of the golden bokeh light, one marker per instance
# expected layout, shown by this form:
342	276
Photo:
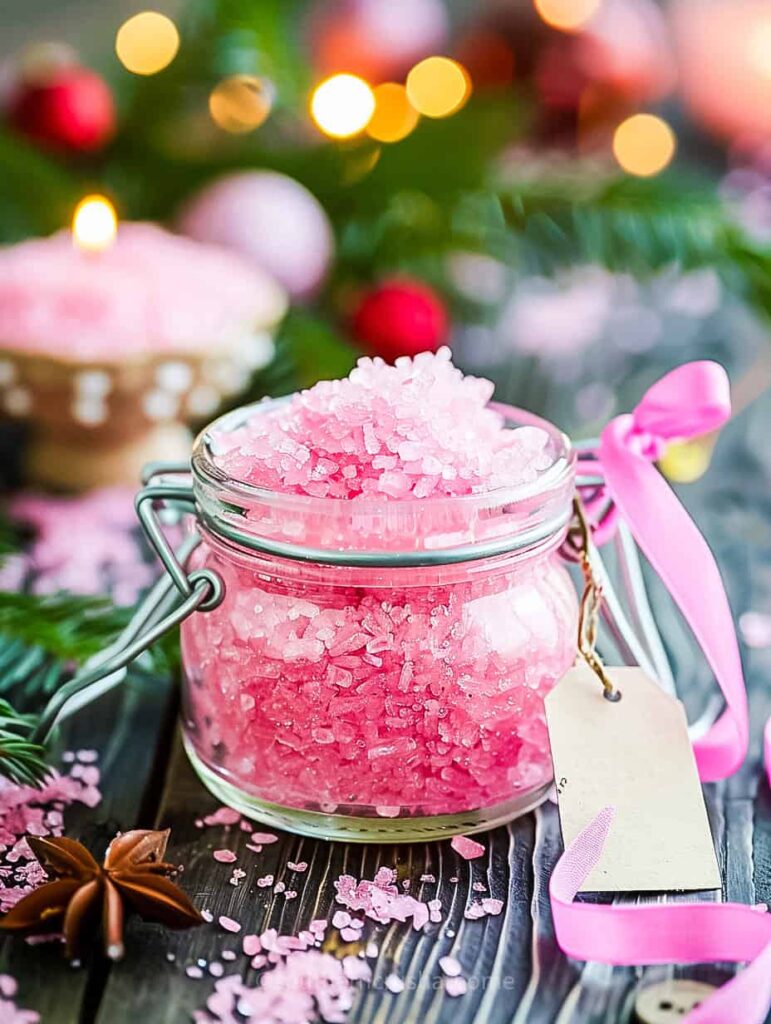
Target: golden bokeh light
240	103
686	461
394	117
644	145
94	224
147	43
567	15
342	105
438	86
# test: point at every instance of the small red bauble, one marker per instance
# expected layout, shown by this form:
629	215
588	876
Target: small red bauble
400	317
72	109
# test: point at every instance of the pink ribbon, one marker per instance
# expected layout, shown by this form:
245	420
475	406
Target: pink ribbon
690	401
668	933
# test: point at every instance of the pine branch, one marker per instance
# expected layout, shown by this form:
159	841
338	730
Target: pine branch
21	761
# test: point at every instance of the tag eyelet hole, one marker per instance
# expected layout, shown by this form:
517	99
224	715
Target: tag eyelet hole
614	696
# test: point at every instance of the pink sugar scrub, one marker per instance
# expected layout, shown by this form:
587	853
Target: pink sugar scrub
383	690
152	292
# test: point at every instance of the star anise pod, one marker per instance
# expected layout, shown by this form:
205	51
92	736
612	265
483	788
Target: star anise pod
132	877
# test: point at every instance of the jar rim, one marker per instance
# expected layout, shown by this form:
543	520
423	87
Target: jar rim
224	503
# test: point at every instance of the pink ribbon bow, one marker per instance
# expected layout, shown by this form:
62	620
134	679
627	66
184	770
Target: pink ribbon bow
690	401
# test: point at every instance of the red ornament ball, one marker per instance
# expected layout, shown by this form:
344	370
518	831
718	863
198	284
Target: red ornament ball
400	317
72	109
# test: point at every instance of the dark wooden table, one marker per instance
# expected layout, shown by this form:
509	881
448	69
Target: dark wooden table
515	971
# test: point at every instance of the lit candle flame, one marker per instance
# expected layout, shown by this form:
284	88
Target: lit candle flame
94	224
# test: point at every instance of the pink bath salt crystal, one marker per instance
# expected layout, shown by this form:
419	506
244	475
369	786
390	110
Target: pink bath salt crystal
394	983
87	756
235	878
265	881
349	934
356	969
216	969
341	919
207	916
263	838
301	866
253	848
455	986
479	887
492	907
228	924
259	961
246	826
474	912
290	894
193	971
371	951
279	887
251	945
428	878
467	848
228	954
318	927
223	816
224	856
311	443
26	810
450	966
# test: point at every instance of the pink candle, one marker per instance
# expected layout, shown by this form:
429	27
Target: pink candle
108	344
395	608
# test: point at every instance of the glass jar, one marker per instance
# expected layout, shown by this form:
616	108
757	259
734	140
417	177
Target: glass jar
376	669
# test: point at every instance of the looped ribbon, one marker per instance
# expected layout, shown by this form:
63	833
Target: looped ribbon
692	400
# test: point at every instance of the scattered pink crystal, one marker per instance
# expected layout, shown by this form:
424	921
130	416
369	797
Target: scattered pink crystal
428	878
28	811
394	983
237	875
223	816
229	924
479	887
301	866
450	966
251	945
349	934
341	919
193	971
265	881
9	1011
224	856
492	907
380	899
264	838
207	916
467	848
455	986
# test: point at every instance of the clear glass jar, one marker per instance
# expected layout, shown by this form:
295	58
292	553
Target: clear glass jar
377	669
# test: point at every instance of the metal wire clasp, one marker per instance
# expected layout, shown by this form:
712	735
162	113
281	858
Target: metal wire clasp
159	611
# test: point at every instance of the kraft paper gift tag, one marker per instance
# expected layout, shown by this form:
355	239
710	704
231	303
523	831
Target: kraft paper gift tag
635	755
